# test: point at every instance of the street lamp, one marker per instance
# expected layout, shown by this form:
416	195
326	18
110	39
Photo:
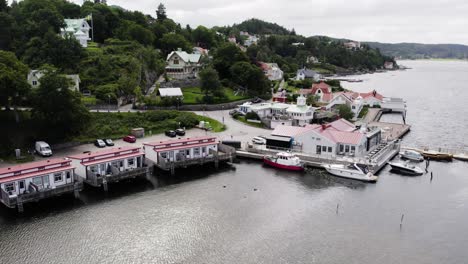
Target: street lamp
223	112
108	103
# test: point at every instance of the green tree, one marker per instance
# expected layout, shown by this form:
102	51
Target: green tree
250	77
59	108
3	6
226	56
210	84
203	37
13	84
6	30
161	12
133	31
345	112
172	41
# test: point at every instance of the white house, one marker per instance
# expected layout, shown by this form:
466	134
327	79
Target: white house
36	180
356	101
304	73
251	40
353	45
77	28
98	168
170	92
181	65
181	149
339	138
321	90
272	71
301	113
34	77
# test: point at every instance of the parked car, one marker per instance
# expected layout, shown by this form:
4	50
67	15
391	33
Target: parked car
43	149
233	112
259	140
180	132
170	133
109	142
129	139
256	100
99	143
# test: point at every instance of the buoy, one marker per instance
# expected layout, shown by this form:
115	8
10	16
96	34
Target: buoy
255	189
224	186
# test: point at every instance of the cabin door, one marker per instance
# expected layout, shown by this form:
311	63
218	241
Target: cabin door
319	149
21	187
139	162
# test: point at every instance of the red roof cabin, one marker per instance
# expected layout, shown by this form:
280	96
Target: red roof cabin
322	90
111	165
33	181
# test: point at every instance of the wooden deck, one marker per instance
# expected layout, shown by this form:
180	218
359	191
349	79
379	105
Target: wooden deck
103	180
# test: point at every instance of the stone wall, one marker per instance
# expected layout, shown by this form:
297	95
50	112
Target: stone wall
200	107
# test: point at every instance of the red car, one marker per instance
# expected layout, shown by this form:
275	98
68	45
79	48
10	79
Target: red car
129	139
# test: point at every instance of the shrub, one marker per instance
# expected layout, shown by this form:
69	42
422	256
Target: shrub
252	116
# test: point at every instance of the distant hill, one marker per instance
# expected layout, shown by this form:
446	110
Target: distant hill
260	27
421	51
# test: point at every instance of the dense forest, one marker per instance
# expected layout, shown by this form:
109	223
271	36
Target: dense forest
422	51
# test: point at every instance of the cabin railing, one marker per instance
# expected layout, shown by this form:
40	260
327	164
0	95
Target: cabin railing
116	175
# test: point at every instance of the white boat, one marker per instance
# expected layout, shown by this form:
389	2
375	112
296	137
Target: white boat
411	155
461	156
352	171
406	168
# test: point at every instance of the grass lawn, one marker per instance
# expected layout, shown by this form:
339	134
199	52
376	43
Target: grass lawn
89	100
194	95
117	125
244	120
364	111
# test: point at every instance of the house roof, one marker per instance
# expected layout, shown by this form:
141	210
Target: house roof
98	161
33	165
374	94
307	73
186	57
344	137
105	152
170	92
290	131
326	89
299	109
179	142
35	173
74	25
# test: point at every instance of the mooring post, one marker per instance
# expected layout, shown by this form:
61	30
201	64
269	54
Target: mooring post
104	184
431	176
401	220
337	207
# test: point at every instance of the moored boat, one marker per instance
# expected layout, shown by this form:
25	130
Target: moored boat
435	155
406	168
285	161
352	171
461	156
411	155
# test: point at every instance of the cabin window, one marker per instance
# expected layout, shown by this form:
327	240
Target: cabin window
37	181
187	152
196	151
204	150
102	167
347	148
58	177
93	168
69	174
115	164
21	184
330	149
34	83
324	148
319	149
341	148
163	154
353	148
176	61
10	187
131	162
121	163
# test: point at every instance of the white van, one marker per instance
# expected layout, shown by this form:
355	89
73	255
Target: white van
43	149
259	140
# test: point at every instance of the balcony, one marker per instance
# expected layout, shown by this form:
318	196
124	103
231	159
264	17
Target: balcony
97	180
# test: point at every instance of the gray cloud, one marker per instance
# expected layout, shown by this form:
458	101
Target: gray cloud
426	21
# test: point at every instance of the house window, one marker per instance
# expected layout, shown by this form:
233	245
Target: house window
21	184
187	152
34	83
324	148
204	150
131	162
103	167
330	149
93	168
353	149
121	164
196	151
319	149
37	181
58	177
347	148
69	174
10	187
164	155
341	148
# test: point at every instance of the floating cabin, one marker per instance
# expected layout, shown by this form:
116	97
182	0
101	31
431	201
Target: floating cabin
171	154
37	180
112	165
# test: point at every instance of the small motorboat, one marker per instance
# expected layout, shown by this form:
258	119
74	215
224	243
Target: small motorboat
435	155
406	168
352	171
285	161
411	155
461	156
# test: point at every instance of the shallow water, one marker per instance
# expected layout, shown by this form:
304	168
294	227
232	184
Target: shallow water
290	218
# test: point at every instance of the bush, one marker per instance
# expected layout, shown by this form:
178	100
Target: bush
252	116
187	120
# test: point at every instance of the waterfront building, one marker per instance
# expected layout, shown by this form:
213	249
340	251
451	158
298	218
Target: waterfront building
321	90
338	138
34	77
33	181
111	165
170	154
182	65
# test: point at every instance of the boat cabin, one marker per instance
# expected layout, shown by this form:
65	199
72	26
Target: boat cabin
96	168
36	180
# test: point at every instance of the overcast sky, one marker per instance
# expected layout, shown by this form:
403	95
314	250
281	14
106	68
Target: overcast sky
424	21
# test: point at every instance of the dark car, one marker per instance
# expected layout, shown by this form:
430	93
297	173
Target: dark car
170	133
109	142
256	100
180	132
99	143
233	112
129	139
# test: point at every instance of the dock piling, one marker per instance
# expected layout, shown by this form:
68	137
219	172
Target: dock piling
401	220
337	207
431	176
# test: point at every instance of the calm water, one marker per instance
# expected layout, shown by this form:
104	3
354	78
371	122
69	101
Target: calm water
291	218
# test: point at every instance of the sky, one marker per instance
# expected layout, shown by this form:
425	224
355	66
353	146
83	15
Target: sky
391	21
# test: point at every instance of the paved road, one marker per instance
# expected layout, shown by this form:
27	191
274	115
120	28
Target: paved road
235	130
